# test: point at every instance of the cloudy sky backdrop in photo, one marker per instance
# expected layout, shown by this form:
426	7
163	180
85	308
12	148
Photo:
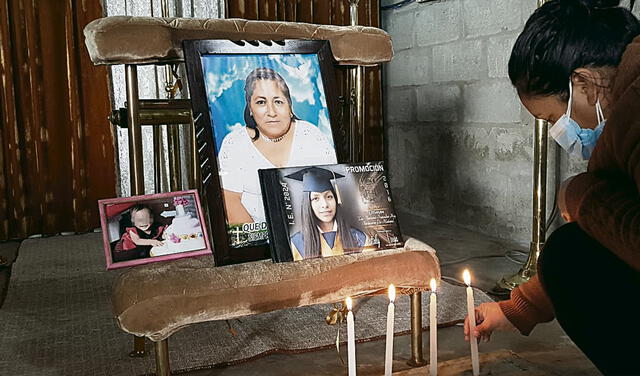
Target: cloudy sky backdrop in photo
224	77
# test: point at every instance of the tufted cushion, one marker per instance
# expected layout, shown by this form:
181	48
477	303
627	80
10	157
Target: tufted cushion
148	40
156	300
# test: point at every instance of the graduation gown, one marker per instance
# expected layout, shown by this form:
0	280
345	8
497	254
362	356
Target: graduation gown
330	243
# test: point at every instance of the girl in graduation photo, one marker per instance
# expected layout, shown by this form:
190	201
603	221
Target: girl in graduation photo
324	229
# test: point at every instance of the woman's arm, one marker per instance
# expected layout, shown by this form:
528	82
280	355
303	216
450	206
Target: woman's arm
608	209
236	212
527	307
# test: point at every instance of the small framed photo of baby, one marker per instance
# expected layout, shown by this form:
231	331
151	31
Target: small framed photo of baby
142	229
256	105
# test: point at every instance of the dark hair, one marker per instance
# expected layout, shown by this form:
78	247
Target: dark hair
563	35
138	207
262	73
310	231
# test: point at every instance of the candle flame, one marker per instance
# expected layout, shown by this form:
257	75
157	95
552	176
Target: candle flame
467	277
349	303
392	293
432	283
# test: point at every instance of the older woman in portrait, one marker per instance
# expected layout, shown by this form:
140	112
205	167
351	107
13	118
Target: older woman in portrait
273	137
325	232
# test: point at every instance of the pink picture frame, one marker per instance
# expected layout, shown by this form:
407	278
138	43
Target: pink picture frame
143	229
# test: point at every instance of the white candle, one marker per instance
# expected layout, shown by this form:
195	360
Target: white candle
433	330
388	356
475	364
351	340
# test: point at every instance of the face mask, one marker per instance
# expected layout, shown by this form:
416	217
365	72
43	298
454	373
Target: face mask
573	138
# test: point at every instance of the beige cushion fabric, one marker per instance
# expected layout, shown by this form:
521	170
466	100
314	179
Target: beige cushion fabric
148	40
156	300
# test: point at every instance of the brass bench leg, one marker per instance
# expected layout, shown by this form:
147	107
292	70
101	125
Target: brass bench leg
416	331
136	173
162	358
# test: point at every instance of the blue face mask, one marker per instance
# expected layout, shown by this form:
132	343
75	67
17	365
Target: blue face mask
573	138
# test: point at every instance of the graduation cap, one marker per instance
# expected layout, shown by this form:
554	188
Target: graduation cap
316	179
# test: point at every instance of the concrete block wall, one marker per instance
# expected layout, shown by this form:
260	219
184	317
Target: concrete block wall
459	144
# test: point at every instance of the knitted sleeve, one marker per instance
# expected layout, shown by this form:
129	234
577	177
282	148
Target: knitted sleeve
528	306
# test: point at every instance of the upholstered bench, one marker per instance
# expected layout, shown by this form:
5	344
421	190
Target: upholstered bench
156	300
150	40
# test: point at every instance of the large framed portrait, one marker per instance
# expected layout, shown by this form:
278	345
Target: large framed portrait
256	105
142	229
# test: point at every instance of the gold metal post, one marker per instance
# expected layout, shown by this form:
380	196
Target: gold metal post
158	166
175	163
138	348
356	123
136	172
508	283
539	211
162	358
416	331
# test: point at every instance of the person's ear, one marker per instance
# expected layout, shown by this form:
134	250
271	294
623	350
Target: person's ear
587	82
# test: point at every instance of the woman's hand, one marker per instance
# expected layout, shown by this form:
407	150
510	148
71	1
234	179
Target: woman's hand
489	317
562	201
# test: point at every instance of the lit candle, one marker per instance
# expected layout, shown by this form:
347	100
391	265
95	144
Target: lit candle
472	324
433	330
388	357
351	340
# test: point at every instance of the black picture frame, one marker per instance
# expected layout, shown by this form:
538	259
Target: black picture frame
194	51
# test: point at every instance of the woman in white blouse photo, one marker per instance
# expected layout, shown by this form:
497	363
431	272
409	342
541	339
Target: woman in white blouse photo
273	136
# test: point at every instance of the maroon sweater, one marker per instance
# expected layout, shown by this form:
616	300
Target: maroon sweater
605	200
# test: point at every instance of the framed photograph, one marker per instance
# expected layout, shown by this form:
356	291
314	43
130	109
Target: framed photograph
256	105
142	229
322	211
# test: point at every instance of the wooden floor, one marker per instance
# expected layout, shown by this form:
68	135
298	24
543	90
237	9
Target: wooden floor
509	363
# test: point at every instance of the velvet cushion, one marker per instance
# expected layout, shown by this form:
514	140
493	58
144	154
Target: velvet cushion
148	40
156	300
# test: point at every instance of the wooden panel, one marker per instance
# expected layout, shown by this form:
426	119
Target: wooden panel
304	11
341	12
290	11
89	107
281	8
234	9
46	143
267	10
322	12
